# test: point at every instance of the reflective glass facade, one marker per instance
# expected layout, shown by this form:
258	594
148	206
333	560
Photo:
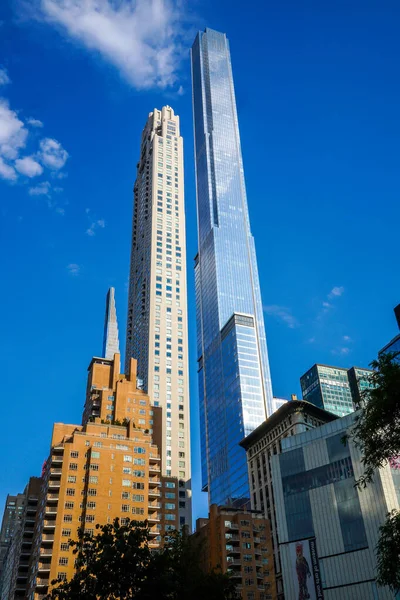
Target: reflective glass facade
328	388
234	379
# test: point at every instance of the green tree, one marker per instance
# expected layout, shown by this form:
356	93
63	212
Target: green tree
377	429
388	552
117	564
377	434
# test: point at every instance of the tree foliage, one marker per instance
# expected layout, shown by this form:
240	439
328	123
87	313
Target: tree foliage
117	564
388	552
377	429
377	434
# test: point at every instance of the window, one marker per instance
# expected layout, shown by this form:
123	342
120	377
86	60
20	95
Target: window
73	466
89	518
125	508
127	458
61	575
170	517
63	560
70	492
74	454
69	505
67	518
169	506
93	479
136	510
64	547
66	532
126	483
92	492
95	454
91	505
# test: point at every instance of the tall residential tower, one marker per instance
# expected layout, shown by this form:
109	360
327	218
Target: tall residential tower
157	312
234	378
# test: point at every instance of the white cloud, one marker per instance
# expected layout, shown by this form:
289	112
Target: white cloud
34	122
13	134
343	351
4	78
141	39
28	166
52	154
73	269
43	189
347	338
283	313
180	91
7	171
336	291
95	225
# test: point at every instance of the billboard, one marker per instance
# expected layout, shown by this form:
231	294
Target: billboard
305	571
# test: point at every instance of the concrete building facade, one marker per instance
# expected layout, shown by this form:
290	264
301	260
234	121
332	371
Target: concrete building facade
105	468
18	558
239	542
12	518
157	327
327	528
292	418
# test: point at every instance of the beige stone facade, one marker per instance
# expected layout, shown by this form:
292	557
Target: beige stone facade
157	304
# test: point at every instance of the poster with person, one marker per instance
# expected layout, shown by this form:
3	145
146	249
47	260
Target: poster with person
305	569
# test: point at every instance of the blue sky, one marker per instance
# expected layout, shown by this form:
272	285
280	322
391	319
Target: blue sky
318	92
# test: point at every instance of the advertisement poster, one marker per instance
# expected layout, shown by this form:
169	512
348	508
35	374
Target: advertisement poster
305	569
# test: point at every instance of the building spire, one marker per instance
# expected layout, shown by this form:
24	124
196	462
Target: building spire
110	339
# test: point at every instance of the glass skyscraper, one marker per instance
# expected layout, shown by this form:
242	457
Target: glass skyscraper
335	389
234	378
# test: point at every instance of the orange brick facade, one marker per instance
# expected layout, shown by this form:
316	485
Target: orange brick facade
100	470
239	542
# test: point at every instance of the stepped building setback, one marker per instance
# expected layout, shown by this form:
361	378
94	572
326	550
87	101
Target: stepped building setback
105	468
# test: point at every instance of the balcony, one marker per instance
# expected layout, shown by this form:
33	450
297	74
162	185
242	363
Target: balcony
56	471
46	551
47	538
232	526
154	481
50	510
154	469
41	582
154	506
235	562
52	484
154	494
232	550
154	458
154	518
49	525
